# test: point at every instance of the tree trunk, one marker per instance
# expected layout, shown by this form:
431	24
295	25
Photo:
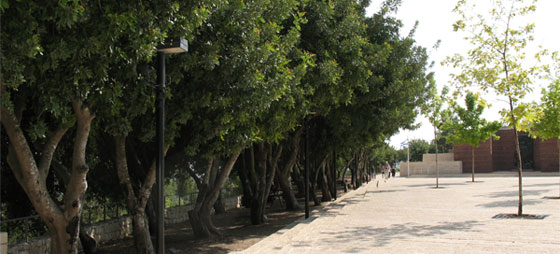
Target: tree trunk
244	178
201	222
284	174
208	193
298	179
519	172
141	231
136	204
344	178
63	224
437	166
151	214
325	190
219	207
266	165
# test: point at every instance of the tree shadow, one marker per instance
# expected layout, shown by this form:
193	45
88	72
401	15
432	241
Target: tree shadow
538	185
503	194
509	203
369	236
432	185
382	191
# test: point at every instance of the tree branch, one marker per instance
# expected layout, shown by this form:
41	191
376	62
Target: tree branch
122	171
48	151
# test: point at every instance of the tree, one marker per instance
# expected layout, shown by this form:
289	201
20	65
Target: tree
418	147
547	124
469	128
496	62
63	76
433	111
44	84
242	75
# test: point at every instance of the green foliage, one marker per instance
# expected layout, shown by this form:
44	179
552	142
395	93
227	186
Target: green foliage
239	82
468	127
387	93
497	61
547	112
418	147
382	153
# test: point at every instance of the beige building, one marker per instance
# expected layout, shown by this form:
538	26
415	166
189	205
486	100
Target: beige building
446	164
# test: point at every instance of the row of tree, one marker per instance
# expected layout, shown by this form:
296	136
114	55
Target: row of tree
261	79
497	63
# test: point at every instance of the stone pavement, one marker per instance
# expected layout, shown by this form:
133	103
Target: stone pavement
408	215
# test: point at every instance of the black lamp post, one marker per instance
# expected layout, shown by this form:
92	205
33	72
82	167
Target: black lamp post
306	169
307	161
171	46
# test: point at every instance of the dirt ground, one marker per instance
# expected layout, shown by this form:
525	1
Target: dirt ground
235	225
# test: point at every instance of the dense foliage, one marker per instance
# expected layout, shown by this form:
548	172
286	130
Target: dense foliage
80	74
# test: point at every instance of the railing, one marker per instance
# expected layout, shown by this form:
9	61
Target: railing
24	228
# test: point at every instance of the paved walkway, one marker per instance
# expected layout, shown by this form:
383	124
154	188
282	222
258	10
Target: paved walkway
408	215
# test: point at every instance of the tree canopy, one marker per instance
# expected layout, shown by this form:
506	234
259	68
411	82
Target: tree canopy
77	97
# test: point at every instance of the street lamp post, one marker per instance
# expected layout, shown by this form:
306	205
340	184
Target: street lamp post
306	169
307	161
171	46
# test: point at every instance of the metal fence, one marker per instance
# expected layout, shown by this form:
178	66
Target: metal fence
24	228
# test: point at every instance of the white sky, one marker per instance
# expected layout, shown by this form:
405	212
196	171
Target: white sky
435	19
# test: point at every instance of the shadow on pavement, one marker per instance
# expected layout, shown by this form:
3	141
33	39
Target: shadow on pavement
503	194
433	185
537	185
380	236
510	203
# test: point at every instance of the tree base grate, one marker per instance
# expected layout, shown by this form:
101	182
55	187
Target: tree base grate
523	216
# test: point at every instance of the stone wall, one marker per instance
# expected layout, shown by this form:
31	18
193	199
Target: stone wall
499	154
546	155
483	160
111	230
440	156
3	242
446	165
504	151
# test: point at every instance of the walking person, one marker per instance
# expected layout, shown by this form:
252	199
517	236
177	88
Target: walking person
388	169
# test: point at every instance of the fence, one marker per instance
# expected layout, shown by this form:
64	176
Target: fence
24	228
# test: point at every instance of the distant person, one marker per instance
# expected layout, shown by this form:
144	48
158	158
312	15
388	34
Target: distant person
388	169
393	171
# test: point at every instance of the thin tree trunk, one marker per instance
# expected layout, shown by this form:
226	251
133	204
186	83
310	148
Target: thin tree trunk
437	166
519	172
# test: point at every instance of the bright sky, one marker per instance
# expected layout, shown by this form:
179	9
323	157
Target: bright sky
435	19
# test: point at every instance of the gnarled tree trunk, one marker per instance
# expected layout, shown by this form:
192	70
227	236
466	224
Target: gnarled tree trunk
262	178
208	192
284	173
63	224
